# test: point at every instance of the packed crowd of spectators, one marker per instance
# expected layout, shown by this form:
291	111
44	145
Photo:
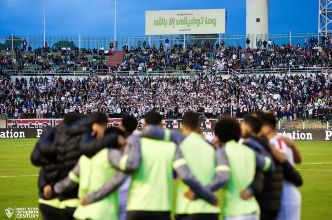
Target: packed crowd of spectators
291	96
218	57
53	60
206	57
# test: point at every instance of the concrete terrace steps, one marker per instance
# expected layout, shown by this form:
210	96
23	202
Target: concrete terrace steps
115	59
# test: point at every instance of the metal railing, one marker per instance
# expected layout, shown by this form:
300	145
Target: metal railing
105	72
90	42
305	124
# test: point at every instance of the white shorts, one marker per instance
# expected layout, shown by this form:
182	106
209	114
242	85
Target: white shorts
290	212
290	203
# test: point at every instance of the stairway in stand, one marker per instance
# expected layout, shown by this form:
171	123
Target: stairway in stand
115	59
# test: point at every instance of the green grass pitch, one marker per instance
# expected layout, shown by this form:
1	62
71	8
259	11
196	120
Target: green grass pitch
18	178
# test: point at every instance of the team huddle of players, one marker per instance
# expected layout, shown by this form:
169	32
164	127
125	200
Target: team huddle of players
89	171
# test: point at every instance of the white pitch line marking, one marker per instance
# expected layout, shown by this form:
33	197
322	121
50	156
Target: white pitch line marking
18	176
317	163
315	170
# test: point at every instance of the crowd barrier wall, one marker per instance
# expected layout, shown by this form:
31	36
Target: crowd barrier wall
33	128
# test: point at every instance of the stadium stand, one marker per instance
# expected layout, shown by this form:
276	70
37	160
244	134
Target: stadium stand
218	58
166	57
303	96
289	96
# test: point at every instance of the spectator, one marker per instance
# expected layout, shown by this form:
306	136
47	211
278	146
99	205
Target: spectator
248	43
24	44
291	97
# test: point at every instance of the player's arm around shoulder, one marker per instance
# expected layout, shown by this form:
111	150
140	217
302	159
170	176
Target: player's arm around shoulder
222	170
69	182
130	159
156	132
264	163
290	143
109	187
183	172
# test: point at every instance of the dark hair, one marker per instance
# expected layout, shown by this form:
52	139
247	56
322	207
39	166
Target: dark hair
191	120
254	122
269	119
99	118
115	130
227	129
153	118
68	119
259	114
130	123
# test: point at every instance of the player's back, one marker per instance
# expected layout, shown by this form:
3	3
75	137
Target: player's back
242	162
94	172
151	187
200	158
291	197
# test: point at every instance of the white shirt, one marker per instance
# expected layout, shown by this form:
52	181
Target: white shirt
282	147
290	194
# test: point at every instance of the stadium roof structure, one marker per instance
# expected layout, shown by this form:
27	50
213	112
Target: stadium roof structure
324	18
